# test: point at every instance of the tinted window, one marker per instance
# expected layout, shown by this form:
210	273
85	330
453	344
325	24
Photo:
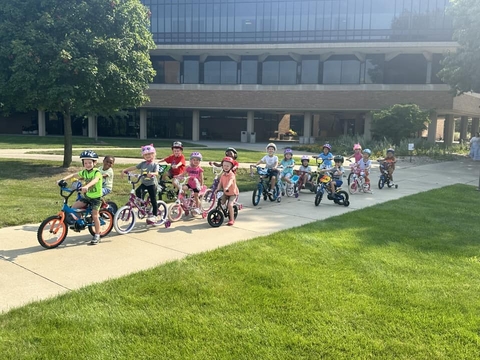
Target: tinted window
310	71
406	69
249	71
190	72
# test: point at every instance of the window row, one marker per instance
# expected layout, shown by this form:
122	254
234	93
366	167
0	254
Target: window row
283	70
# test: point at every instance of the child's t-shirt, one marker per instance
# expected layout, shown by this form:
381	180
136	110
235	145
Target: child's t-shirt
327	159
174	160
107	181
365	164
148	167
194	174
338	173
286	163
225	179
95	191
306	169
270	161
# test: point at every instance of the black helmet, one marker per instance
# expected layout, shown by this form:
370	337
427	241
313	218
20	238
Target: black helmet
338	158
89	154
177	145
233	151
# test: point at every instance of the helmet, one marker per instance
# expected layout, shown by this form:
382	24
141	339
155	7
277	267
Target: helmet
391	150
367	151
228	159
233	151
305	157
148	149
328	146
337	158
271	145
89	154
357	147
177	145
288	151
196	155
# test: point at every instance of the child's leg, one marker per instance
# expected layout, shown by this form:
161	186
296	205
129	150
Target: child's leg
195	196
273	181
230	208
152	193
139	191
96	221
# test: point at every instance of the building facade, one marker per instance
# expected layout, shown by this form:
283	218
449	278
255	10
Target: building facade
251	70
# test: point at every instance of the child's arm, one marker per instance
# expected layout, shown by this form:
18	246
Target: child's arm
229	185
217	164
90	184
67	177
127	170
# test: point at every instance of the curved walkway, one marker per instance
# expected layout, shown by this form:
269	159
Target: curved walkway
28	272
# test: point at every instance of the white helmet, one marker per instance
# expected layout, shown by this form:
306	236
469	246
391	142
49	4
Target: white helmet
271	145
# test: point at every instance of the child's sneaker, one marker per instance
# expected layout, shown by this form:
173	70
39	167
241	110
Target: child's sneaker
95	240
231	222
270	192
197	211
152	219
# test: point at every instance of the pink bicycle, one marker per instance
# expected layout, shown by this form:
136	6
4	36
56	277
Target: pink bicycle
185	203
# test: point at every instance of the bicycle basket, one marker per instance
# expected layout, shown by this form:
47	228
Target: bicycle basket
325	179
262	171
76	185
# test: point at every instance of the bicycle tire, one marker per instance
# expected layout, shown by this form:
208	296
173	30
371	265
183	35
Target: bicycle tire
162	212
256	195
175	212
349	179
52	222
124	220
381	182
208	200
353	187
215	218
343	198
318	198
105	216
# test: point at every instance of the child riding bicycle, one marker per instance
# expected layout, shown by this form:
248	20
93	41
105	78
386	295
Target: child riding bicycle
271	161
228	184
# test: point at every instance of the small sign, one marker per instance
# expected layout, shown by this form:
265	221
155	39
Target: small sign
411	147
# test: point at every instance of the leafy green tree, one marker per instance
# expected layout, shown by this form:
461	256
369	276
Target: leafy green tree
74	57
461	69
399	122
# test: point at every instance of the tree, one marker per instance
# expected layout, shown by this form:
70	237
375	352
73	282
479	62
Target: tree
399	122
74	57
461	69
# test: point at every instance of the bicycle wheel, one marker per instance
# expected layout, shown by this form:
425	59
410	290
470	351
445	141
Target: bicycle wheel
381	182
256	195
162	212
290	191
276	193
353	187
124	220
51	232
215	218
349	180
318	198
175	212
112	207
106	223
342	198
208	200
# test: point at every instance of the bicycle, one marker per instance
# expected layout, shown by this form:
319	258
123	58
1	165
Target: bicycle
216	216
54	229
185	204
357	183
106	204
165	187
208	199
263	187
286	188
126	217
385	178
340	196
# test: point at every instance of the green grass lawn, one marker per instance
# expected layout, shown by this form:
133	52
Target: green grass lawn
32	183
398	280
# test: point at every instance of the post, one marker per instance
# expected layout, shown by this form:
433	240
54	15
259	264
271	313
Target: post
41	123
432	128
143	124
307	125
250	122
92	127
196	125
367	128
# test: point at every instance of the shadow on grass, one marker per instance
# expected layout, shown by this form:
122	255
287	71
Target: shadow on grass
30	169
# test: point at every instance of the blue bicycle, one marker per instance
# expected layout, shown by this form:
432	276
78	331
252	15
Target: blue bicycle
54	229
263	186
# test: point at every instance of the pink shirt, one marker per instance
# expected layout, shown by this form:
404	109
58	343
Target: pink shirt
194	173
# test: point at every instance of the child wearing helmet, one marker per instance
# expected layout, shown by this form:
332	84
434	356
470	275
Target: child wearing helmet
177	163
271	162
150	181
337	173
389	163
231	153
326	156
91	190
107	174
195	177
357	153
365	165
305	170
228	184
288	163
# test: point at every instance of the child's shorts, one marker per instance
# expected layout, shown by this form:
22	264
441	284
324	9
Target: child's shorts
106	191
286	175
338	183
94	203
229	198
194	189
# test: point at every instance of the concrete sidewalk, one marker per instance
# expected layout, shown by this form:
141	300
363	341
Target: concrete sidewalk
29	273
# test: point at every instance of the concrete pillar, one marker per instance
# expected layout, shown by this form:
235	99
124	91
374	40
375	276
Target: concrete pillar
41	123
463	127
92	126
250	122
316	125
432	127
449	129
367	127
307	125
196	125
474	125
143	124
429	72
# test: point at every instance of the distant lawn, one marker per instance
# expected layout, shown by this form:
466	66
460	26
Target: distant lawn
25	184
46	142
400	280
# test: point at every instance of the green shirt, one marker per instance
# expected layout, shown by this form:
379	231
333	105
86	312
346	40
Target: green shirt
95	191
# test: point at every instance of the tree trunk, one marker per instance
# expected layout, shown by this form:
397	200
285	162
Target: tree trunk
67	140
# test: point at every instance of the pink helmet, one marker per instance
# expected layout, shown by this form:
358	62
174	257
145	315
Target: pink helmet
196	155
148	149
357	147
305	157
